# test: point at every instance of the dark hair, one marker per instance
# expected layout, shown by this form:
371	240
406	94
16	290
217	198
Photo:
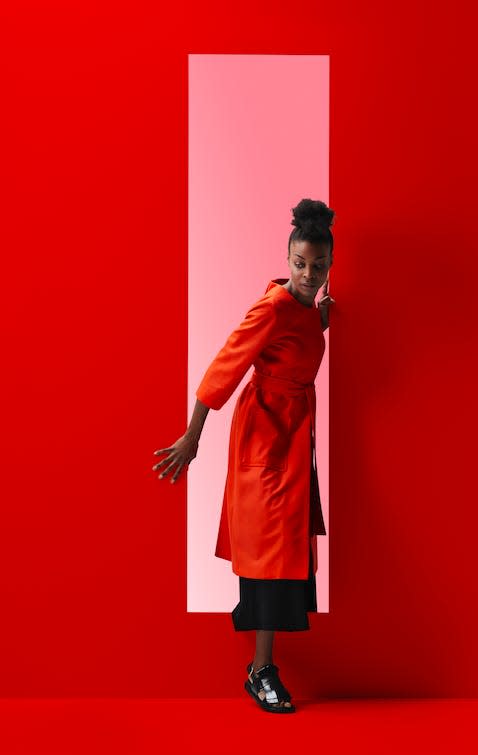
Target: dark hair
312	219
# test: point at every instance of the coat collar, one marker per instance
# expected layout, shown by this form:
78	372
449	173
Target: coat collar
277	284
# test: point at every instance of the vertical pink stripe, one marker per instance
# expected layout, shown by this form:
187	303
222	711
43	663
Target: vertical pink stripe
258	144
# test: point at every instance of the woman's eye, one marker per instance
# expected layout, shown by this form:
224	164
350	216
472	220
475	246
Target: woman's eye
319	267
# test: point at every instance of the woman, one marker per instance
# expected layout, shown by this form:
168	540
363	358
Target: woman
271	512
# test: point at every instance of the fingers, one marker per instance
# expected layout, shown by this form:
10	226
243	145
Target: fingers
178	472
162	462
167	469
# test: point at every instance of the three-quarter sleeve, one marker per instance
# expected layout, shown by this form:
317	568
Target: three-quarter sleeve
238	353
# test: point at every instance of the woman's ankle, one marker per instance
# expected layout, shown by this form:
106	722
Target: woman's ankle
259	664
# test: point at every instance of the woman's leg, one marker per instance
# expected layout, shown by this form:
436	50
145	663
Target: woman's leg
264	640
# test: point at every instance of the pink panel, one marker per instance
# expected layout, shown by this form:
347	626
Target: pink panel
258	144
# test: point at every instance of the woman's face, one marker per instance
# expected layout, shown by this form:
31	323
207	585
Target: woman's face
309	264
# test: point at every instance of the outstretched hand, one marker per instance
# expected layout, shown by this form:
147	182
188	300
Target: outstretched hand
181	453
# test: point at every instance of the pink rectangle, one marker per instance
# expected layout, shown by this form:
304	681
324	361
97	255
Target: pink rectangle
258	144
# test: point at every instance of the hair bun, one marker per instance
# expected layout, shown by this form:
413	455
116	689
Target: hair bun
311	213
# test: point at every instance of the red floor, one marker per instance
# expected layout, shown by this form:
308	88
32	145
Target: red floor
229	726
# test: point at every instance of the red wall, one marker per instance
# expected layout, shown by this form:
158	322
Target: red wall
93	321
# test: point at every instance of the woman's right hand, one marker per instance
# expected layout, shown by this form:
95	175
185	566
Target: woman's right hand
181	453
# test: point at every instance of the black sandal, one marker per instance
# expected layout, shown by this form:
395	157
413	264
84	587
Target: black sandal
266	688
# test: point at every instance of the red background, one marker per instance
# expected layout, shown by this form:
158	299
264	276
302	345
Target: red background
94	347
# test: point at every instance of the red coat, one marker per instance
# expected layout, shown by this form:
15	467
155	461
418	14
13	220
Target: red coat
266	523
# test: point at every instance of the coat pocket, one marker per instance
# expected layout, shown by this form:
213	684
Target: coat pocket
264	440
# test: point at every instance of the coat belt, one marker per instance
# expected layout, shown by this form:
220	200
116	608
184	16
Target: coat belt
291	388
283	385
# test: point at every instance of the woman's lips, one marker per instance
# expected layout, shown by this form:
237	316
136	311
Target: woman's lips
305	285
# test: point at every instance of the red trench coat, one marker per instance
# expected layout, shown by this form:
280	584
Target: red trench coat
271	510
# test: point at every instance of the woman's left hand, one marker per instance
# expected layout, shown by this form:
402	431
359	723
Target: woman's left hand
324	302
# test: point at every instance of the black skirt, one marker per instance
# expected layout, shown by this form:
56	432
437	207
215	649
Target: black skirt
275	604
279	604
